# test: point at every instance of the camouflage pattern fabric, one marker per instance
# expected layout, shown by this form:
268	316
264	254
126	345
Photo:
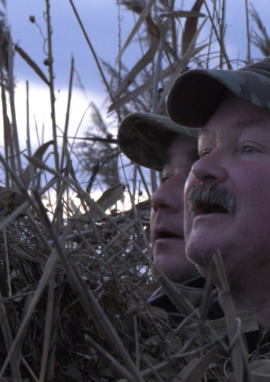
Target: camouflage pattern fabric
145	138
197	93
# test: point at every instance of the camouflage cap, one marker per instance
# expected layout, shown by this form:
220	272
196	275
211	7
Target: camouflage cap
197	93
145	138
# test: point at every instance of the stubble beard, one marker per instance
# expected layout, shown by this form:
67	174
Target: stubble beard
198	255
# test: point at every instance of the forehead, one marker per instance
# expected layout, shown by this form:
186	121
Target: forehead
234	116
182	150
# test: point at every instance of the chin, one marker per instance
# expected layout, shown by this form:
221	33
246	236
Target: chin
199	255
170	273
177	271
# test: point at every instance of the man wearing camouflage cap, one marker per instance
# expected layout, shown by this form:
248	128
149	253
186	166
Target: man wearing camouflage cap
227	198
155	142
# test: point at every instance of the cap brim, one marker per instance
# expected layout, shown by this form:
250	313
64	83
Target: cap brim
196	94
145	138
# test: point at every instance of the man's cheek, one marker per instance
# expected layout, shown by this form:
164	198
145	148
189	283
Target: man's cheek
190	181
152	223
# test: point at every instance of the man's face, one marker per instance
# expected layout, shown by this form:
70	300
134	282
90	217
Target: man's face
230	210
167	231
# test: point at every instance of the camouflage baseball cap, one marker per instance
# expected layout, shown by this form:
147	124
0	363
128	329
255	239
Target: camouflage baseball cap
145	138
197	93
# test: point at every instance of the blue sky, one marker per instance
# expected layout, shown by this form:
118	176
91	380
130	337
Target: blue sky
100	18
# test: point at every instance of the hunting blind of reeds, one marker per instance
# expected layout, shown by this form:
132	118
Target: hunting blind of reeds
74	272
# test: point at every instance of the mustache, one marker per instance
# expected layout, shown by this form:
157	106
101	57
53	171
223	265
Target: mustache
212	194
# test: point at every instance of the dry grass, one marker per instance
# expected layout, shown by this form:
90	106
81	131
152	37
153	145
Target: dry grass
74	282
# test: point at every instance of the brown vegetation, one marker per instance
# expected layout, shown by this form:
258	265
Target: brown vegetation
74	282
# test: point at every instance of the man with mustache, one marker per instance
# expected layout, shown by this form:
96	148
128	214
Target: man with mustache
155	142
227	196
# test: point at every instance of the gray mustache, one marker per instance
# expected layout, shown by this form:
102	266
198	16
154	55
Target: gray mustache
213	194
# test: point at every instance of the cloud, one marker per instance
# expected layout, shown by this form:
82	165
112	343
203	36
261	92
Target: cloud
40	112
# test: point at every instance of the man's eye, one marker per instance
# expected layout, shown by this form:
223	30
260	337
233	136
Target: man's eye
250	150
203	153
164	178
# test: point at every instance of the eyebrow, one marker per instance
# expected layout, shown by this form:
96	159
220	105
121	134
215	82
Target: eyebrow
240	123
244	122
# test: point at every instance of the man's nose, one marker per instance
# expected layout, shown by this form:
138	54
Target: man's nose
210	168
169	195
